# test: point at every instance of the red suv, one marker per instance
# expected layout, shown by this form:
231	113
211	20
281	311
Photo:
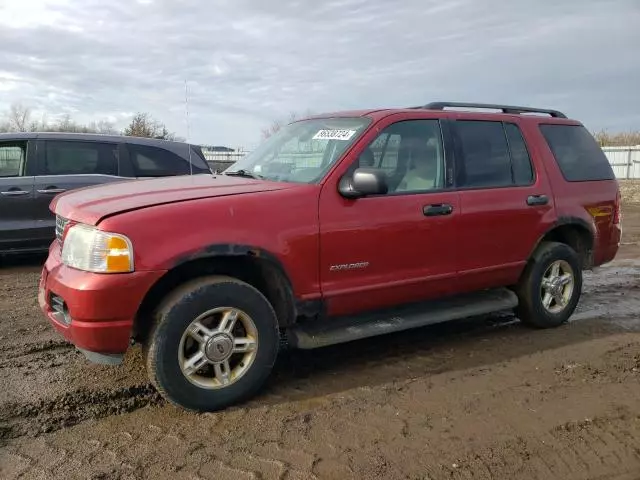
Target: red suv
338	227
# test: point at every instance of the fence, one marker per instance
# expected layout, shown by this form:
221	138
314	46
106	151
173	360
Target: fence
219	161
625	161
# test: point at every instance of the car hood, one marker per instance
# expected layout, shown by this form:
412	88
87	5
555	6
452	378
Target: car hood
92	204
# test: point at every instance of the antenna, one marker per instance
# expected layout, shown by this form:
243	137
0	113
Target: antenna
186	109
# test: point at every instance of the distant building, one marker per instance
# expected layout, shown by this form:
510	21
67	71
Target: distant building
216	148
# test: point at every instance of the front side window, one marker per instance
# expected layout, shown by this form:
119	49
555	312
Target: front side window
302	152
80	158
384	152
12	159
411	153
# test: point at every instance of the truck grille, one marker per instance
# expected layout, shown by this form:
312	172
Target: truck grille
60	224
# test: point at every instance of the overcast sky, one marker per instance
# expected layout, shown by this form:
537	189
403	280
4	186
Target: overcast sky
250	61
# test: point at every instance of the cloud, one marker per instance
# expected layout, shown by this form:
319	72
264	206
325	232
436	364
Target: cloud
250	61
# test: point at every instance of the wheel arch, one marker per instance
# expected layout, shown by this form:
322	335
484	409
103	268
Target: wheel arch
253	265
574	232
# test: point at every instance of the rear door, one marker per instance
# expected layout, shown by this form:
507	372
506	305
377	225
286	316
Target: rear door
65	165
506	202
16	195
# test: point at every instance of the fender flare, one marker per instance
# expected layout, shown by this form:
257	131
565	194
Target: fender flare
221	250
567	221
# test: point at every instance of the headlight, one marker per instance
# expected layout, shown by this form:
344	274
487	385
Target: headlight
90	249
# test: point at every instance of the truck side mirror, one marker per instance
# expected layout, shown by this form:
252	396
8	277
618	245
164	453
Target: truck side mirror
363	182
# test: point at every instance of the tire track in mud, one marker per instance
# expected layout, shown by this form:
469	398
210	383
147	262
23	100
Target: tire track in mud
39	355
8	352
44	416
603	447
613	291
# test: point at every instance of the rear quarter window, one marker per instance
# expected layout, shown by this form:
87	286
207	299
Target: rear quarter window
157	162
577	153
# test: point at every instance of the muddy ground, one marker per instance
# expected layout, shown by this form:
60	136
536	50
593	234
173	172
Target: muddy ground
475	399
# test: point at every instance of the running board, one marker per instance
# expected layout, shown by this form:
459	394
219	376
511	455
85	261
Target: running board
346	329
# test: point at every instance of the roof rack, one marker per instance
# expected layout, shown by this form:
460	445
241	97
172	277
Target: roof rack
504	108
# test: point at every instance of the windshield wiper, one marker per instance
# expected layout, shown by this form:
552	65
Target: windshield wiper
243	173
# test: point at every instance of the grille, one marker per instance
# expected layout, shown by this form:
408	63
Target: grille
60	224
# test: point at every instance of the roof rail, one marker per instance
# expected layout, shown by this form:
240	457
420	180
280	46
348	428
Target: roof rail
504	108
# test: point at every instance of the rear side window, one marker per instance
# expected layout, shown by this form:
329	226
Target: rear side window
12	158
520	160
578	155
80	158
157	162
485	155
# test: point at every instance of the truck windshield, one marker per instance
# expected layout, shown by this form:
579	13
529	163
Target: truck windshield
301	152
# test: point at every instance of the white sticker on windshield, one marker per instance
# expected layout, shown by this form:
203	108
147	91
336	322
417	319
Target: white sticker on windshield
334	135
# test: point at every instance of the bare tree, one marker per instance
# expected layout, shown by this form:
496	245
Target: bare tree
19	117
293	116
105	127
272	129
39	125
34	126
143	125
277	124
65	124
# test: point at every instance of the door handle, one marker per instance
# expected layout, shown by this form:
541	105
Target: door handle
14	193
533	200
437	209
52	190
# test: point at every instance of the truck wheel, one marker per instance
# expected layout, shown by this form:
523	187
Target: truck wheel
550	287
213	344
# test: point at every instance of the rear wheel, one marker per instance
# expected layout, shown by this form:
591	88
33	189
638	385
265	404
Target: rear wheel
550	286
214	343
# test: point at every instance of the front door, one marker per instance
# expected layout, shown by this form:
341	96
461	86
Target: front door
386	250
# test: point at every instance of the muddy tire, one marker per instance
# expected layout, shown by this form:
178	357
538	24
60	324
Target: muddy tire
213	344
550	286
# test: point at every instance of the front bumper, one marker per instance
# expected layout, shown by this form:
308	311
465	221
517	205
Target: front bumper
93	311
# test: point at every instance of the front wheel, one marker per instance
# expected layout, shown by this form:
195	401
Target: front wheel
550	287
213	344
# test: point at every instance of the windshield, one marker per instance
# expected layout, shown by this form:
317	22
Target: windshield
302	152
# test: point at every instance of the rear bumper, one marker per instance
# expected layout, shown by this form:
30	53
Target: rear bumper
606	253
93	311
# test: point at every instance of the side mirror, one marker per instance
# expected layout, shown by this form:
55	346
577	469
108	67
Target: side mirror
364	181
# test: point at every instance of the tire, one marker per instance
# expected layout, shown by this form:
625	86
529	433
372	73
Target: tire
188	367
531	295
